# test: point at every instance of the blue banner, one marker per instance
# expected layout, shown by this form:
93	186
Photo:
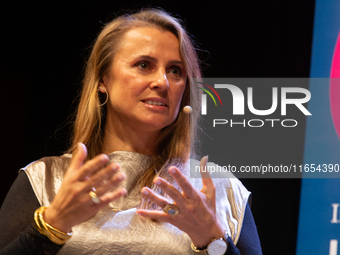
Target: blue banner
319	217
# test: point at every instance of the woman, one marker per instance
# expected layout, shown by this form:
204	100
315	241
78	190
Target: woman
129	160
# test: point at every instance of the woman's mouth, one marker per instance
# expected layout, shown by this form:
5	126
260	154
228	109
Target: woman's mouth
154	103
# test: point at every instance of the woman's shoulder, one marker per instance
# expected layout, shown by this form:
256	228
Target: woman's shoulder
47	163
46	176
222	175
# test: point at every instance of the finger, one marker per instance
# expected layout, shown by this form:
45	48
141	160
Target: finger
104	175
158	215
156	198
182	181
170	190
208	184
111	196
110	184
79	156
92	166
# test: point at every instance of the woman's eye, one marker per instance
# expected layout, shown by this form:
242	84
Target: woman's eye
143	65
175	71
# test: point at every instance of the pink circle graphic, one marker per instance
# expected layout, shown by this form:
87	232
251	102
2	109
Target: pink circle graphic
334	89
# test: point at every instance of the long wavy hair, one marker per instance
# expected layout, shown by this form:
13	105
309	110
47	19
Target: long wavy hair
177	141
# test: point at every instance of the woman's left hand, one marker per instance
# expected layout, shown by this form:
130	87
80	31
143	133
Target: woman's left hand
197	209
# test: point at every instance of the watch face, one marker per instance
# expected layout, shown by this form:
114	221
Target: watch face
217	247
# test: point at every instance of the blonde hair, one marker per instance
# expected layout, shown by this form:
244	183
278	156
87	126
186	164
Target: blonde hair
173	146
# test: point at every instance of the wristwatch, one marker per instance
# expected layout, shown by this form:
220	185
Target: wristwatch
215	247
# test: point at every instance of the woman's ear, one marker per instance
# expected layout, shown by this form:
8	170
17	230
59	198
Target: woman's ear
104	82
102	88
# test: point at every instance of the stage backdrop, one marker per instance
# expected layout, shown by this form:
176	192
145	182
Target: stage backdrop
319	219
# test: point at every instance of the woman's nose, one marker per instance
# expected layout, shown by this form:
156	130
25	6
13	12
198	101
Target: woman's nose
161	81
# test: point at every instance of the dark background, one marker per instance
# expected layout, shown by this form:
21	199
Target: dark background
43	48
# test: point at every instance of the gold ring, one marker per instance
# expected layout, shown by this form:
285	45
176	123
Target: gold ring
171	209
94	197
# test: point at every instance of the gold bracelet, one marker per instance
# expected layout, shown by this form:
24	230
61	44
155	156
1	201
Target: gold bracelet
198	250
55	235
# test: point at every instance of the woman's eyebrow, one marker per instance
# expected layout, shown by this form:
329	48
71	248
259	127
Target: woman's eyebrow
178	62
149	58
155	60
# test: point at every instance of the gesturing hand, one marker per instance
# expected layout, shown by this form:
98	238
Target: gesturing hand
197	209
73	204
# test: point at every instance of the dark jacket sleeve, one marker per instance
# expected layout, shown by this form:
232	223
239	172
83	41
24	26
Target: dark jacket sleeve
249	242
17	235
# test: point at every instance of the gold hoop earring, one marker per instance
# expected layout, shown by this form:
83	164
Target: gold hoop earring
102	89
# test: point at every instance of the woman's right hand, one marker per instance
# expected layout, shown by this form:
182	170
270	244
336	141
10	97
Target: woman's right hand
73	205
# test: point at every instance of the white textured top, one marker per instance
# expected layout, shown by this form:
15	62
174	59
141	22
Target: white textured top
125	232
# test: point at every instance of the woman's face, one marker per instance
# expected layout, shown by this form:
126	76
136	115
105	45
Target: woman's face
146	80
